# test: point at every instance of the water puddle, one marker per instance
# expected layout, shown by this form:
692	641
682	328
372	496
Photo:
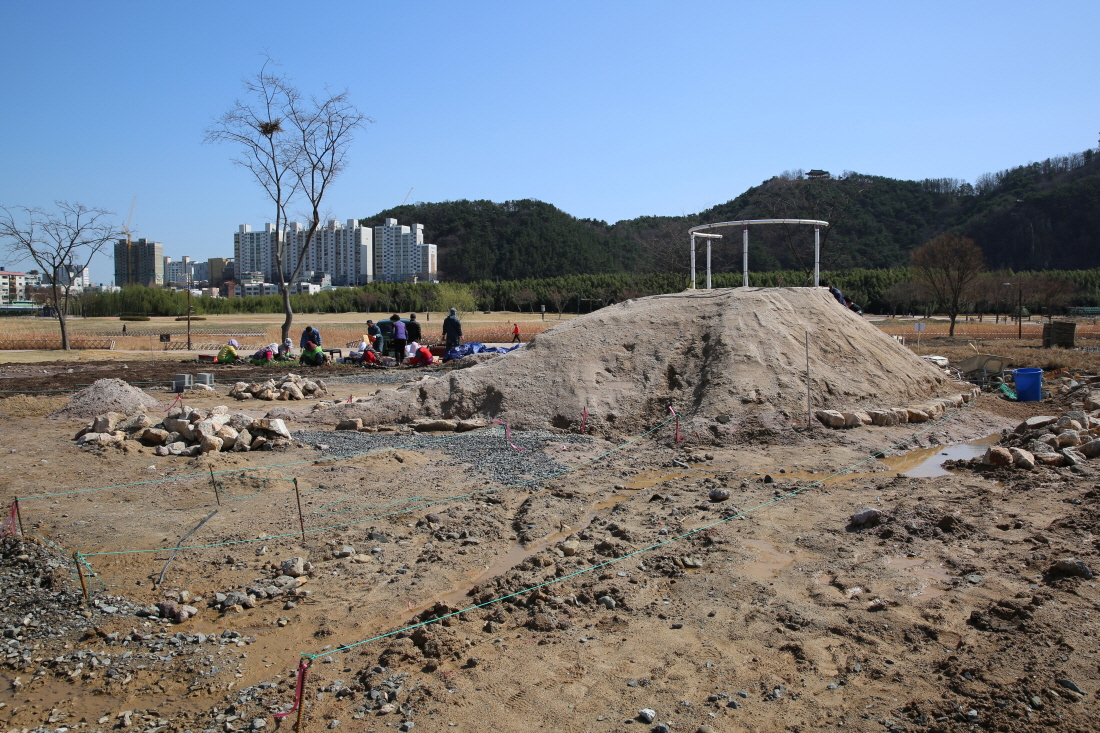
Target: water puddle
511	558
918	568
648	482
928	462
769	560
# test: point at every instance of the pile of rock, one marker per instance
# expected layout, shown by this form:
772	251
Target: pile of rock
897	415
188	432
290	387
1070	440
291	576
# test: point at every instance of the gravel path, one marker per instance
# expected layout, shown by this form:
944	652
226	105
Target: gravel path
487	452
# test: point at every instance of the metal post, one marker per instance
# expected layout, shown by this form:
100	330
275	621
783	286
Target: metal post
187	279
217	494
79	574
1020	312
808	421
19	516
301	520
708	263
745	255
817	255
693	260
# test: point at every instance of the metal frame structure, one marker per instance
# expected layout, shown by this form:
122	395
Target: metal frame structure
697	232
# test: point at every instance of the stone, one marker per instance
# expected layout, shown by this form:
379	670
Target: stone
607	602
239	421
902	414
1070	685
346	551
361	558
867	516
1022	458
883	418
210	444
106	423
154	436
88	438
406	726
161	450
464	426
272	425
915	414
691	562
1091	449
996	455
646	715
259	442
228	437
1054	460
291	391
243	441
1070	566
259	724
1074	457
295	567
355	424
718	494
569	548
705	729
177	448
1034	423
1069	438
830	418
434	426
855	419
135	422
1092	401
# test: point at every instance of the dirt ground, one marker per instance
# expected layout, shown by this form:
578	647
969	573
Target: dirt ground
772	613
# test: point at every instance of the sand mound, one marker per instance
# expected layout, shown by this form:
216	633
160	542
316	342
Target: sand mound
22	405
106	395
724	354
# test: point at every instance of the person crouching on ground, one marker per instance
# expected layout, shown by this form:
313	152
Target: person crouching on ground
228	353
285	352
313	355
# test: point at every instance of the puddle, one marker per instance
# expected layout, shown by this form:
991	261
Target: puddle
917	567
769	560
511	558
653	480
928	462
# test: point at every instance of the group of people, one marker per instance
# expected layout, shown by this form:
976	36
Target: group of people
400	337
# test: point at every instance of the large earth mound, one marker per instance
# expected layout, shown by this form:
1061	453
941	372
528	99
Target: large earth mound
710	354
106	395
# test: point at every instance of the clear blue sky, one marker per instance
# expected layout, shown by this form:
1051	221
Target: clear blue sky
608	110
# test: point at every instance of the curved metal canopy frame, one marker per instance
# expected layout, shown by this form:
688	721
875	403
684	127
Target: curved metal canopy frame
698	232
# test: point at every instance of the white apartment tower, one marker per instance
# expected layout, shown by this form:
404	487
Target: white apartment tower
343	251
400	254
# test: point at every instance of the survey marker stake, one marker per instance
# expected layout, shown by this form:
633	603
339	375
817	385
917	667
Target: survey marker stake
217	494
19	517
301	520
79	574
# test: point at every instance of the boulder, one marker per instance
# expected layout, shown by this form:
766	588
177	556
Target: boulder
271	425
106	423
353	424
295	567
434	426
1049	439
154	436
177	448
996	455
464	426
830	418
161	450
1070	566
309	387
1022	458
204	429
228	437
243	442
259	442
1064	424
1073	457
239	421
916	414
265	394
291	391
855	419
569	548
1091	449
1054	460
133	423
92	438
1069	438
902	414
1092	401
867	516
883	417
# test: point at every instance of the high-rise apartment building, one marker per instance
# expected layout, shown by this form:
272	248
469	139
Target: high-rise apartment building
178	273
217	267
342	251
400	254
139	262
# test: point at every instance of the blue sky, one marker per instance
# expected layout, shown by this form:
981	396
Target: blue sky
608	110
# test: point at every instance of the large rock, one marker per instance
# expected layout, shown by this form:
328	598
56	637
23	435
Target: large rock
133	423
1091	449
883	417
295	567
291	391
434	426
106	423
239	421
243	443
354	424
1054	460
228	437
997	455
1022	458
830	418
1073	456
901	413
1092	401
464	426
1065	424
1069	438
916	414
271	425
867	516
154	436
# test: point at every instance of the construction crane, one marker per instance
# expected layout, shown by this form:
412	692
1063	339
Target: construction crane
126	231
407	196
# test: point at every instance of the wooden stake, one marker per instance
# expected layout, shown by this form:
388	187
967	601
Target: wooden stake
19	516
215	483
302	697
301	520
79	574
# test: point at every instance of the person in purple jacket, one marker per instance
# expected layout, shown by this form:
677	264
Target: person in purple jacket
400	337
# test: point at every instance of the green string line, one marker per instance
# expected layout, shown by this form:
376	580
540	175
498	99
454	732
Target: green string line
402	511
261	468
777	499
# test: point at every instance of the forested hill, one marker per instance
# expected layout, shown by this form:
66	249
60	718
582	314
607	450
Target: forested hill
1037	216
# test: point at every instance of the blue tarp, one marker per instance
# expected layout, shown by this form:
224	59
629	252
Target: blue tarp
476	347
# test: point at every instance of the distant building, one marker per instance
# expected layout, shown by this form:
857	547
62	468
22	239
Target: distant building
13	286
218	267
178	273
400	254
342	250
200	271
139	262
76	277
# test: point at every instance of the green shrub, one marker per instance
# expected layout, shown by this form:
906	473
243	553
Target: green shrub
133	318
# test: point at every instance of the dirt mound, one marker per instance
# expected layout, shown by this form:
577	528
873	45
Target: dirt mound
721	355
106	395
21	405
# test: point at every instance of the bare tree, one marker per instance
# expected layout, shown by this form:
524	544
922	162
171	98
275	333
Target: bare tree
559	299
61	242
949	266
293	147
902	296
524	296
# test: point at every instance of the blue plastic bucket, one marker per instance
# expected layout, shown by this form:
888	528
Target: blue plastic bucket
1029	385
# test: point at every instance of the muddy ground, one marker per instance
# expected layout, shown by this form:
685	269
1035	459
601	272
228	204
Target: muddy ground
776	615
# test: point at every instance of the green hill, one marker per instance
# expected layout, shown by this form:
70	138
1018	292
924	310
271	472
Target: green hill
1037	216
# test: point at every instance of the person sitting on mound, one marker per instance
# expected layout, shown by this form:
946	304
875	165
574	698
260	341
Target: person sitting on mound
228	353
313	355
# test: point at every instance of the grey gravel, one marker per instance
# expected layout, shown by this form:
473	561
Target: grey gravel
486	452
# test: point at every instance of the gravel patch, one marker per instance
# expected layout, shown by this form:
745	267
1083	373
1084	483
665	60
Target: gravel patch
485	452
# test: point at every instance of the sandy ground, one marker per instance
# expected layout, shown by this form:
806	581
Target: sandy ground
787	619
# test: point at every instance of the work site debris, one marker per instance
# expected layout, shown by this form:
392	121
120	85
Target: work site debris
186	431
290	387
1071	439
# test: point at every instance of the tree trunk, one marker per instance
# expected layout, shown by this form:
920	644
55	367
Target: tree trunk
288	312
59	307
951	332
